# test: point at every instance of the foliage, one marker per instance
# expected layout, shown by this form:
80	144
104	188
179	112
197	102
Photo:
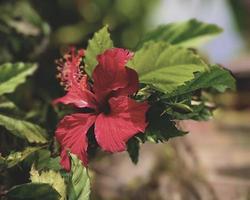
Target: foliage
23	33
187	34
13	75
216	77
50	177
79	183
14	158
33	191
44	161
165	66
24	129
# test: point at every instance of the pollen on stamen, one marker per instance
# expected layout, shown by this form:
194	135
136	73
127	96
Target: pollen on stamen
70	68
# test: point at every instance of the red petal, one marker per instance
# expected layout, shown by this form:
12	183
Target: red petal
126	119
132	86
110	74
115	57
79	96
71	134
65	161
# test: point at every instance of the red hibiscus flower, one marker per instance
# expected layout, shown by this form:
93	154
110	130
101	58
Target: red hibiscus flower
116	117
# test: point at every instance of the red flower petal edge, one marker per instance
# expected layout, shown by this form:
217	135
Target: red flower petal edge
72	135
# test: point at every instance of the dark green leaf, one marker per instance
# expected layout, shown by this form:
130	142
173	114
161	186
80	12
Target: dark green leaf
133	147
191	33
12	75
160	127
79	184
33	191
164	66
97	45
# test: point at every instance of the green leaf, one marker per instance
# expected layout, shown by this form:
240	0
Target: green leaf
45	161
163	130
79	184
12	75
33	191
97	45
24	129
133	147
164	66
216	78
54	179
17	157
191	33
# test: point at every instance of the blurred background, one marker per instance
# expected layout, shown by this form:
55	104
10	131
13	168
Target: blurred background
213	161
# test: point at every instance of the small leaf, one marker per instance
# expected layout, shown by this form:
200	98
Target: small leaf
24	129
12	75
79	184
216	78
97	45
164	66
133	147
54	179
33	191
17	157
191	33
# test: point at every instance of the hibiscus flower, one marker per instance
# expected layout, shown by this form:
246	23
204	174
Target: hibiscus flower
115	116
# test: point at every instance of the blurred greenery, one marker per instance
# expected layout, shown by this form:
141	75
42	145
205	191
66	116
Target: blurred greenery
241	10
41	30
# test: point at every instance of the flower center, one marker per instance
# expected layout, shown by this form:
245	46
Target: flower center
104	108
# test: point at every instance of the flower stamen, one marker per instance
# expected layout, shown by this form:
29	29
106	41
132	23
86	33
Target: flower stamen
70	68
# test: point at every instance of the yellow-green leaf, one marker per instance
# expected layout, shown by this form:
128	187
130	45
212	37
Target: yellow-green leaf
165	66
54	179
17	157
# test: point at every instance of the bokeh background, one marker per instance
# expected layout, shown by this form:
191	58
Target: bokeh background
212	162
